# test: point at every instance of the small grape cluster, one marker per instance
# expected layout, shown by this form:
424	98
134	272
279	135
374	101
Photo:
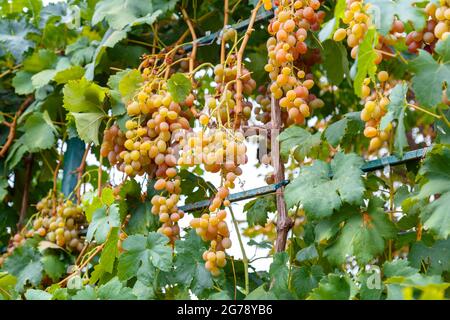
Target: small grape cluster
222	106
437	28
375	108
212	227
289	30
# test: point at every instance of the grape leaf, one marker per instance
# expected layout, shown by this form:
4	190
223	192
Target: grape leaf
57	14
33	294
258	209
307	254
363	235
25	264
305	278
398	267
129	84
13	36
261	294
430	75
335	61
40	60
108	256
396	111
435	257
112	290
142	254
299	140
103	220
436	171
22	82
384	12
88	125
53	266
365	60
319	194
3	189
279	273
83	96
189	264
39	132
332	287
179	87
350	125
72	73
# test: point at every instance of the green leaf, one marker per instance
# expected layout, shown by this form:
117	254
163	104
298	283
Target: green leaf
42	78
189	265
15	154
13	36
365	61
142	254
40	60
3	189
261	294
398	268
435	257
299	140
279	274
319	194
258	209
179	86
107	196
436	171
396	111
112	290
129	84
335	61
350	125
108	256
66	75
88	125
304	279
307	254
53	266
7	284
404	10
22	82
103	220
25	264
33	294
39	132
332	287
363	236
430	75
83	96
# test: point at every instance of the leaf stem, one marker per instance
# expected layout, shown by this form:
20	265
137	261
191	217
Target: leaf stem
424	110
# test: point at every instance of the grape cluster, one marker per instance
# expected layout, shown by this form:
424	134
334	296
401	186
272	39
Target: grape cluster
289	30
375	108
268	230
437	28
222	106
212	227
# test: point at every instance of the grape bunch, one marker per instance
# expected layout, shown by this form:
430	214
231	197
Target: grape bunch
286	46
212	227
375	108
437	28
222	105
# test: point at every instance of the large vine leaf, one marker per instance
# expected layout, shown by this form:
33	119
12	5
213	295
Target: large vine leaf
112	290
189	264
431	75
436	171
258	209
319	193
304	279
396	111
363	235
39	132
299	141
335	61
25	264
103	220
365	62
384	12
279	273
332	287
88	125
179	87
83	96
142	255
346	128
435	257
13	36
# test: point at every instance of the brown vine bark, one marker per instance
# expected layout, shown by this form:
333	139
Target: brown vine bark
284	223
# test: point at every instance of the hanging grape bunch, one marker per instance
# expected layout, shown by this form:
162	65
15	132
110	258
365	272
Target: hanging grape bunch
437	28
289	30
375	108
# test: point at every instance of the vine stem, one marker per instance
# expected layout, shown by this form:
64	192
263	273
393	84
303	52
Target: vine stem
424	110
26	190
80	170
244	255
284	223
194	40
238	107
225	23
13	124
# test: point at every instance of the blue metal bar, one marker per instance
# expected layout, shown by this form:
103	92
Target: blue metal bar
72	160
372	165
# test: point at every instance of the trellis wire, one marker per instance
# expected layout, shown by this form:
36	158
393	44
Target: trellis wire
369	166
